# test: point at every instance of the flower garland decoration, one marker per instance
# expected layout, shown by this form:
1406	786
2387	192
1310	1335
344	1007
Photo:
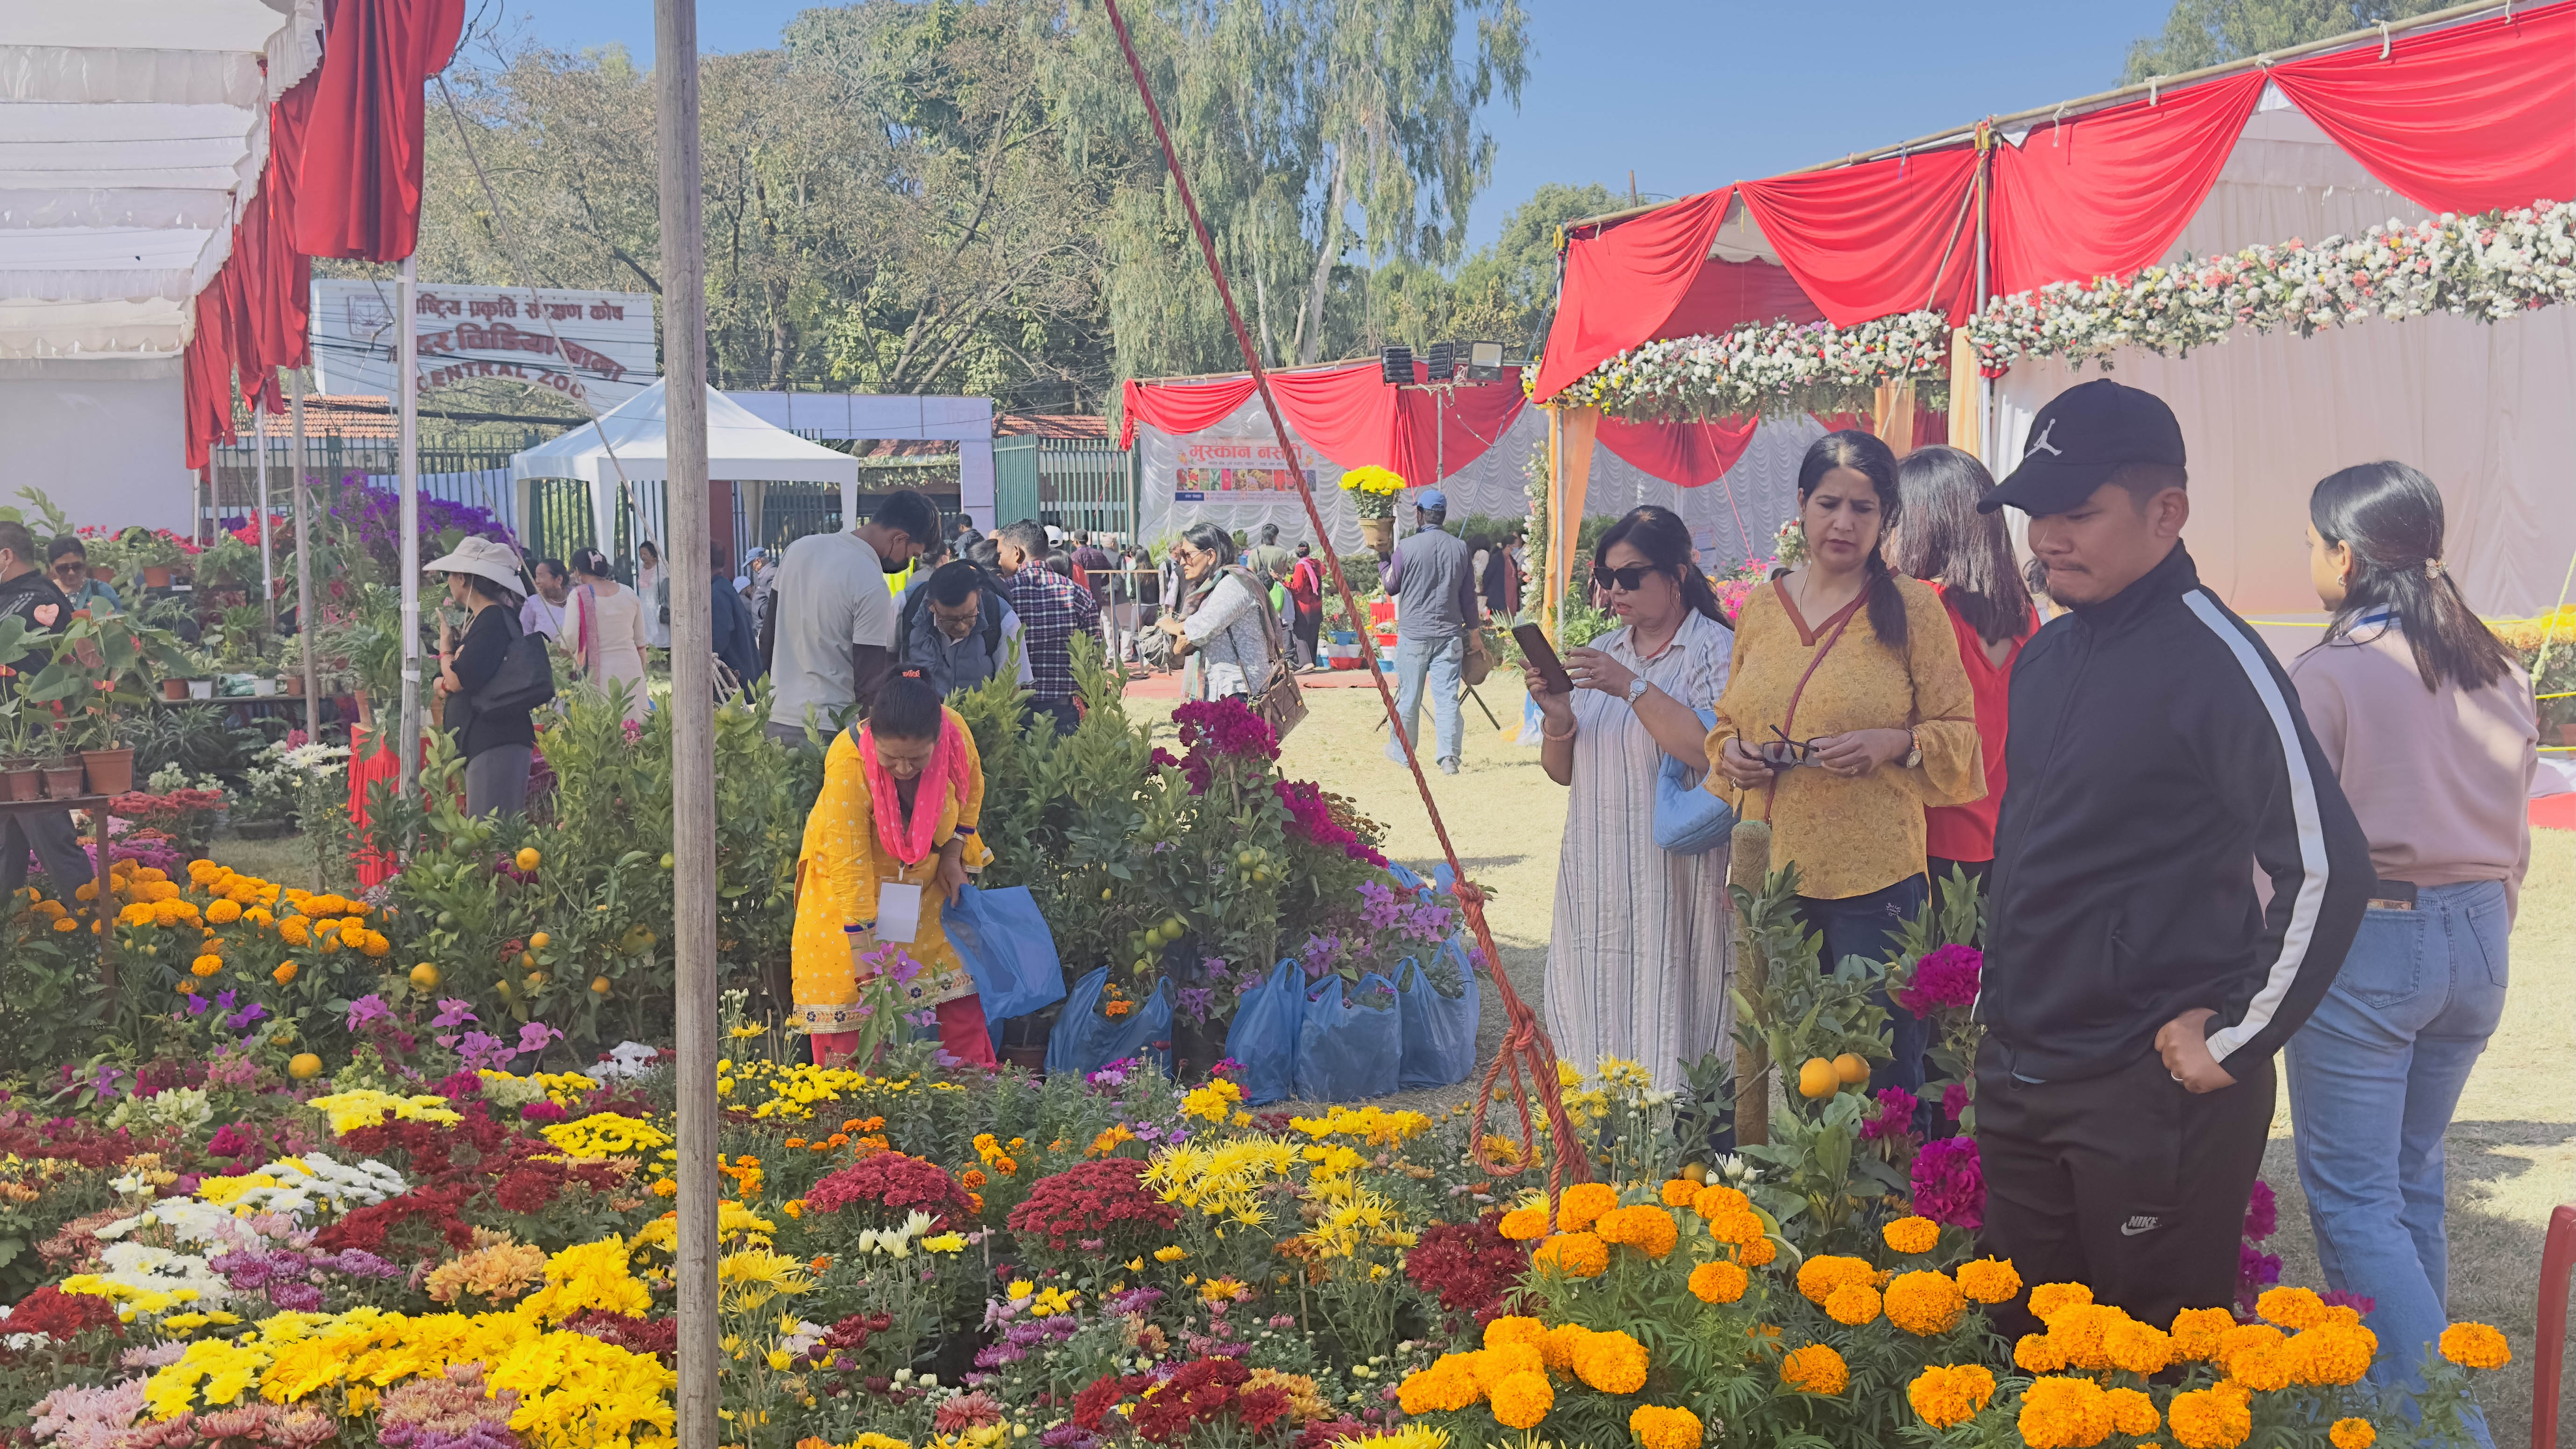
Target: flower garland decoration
2490	267
1768	369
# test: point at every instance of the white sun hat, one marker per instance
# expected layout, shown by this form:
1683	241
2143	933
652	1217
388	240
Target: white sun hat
486	557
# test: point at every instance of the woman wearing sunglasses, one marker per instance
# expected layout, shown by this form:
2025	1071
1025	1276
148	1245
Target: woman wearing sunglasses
1637	961
68	560
1846	712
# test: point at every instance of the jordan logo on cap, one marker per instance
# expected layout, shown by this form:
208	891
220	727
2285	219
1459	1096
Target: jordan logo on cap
2042	441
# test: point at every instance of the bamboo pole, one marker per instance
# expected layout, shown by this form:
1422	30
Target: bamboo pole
407	391
693	806
306	626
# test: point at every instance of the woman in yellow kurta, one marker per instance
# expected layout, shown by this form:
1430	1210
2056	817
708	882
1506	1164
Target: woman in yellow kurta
902	795
1846	712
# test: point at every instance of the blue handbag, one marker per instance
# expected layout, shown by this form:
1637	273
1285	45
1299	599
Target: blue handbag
1688	819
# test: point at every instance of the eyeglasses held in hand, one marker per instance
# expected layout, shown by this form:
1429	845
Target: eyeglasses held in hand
1785	753
1627	580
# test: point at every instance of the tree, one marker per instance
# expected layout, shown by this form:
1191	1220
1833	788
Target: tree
2210	32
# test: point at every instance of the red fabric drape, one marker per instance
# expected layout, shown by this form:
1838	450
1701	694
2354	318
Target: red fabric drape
1692	455
1345	413
1881	237
206	377
2463	118
2108	192
1725	294
1439	436
1179	407
1621	283
357	183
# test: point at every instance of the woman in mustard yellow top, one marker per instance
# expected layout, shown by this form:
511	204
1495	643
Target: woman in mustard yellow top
902	794
1846	712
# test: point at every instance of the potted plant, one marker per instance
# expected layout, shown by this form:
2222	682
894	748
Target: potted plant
96	673
1373	491
155	551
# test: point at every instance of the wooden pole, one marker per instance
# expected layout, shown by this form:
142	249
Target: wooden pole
693	804
406	389
307	625
267	556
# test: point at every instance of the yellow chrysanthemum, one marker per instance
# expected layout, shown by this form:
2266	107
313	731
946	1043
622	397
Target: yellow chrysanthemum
1912	1235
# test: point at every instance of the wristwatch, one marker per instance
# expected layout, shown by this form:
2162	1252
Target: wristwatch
1913	749
1637	688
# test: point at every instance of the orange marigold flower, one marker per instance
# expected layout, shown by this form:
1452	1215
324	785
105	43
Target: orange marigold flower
1523	1224
1522	1399
1716	1200
1912	1235
1946	1396
1853	1304
1678	1192
1820	1275
1512	1329
2209	1419
2064	1413
2475	1345
2196	1332
1925	1303
1584	1202
1719	1282
1655	1427
1758	1252
1613	1362
2047	1298
1645	1227
2292	1308
2352	1434
1815	1369
2133	1412
1576	1255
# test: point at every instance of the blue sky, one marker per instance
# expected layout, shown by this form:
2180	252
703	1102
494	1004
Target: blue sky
1688	95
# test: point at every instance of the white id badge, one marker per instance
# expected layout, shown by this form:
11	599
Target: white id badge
898	912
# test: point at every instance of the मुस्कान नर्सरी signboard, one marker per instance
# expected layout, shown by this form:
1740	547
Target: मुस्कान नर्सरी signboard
593	347
1219	470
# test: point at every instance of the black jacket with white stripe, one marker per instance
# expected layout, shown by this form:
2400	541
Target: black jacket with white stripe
2157	759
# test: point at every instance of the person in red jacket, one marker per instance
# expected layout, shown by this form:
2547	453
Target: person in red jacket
1305	583
1967	558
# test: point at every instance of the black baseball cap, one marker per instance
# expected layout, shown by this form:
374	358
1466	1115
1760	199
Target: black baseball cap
2084	435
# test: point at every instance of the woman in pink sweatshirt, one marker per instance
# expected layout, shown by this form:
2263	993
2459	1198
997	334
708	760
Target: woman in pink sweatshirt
2428	723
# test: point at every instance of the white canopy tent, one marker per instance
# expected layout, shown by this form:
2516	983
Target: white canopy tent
132	134
629	444
2481	408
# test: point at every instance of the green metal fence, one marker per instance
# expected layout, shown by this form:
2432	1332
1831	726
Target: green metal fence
1074	484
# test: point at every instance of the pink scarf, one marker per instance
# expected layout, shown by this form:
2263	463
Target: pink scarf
909	841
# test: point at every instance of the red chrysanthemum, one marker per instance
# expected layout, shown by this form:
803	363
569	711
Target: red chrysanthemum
882	1187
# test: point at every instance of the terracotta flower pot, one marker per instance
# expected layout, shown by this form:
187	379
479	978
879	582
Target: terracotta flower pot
23	780
174	689
295	686
111	772
63	779
155	578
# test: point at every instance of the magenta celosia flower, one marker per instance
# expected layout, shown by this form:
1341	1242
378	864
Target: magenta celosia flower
1955	1100
1950	1183
1895	1117
2262	1212
1943	978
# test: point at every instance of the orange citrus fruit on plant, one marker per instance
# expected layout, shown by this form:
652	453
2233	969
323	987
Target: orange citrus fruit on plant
1817	1079
424	977
1852	1068
304	1067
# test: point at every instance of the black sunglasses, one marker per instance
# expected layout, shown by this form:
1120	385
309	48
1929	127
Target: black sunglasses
1785	753
1627	580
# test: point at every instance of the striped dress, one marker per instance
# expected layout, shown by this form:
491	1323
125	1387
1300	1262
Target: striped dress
1640	959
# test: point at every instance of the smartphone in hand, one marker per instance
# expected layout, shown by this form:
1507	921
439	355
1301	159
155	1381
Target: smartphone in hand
1542	658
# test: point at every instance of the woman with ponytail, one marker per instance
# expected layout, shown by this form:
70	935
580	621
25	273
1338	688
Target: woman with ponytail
1637	960
887	846
2427	722
1846	713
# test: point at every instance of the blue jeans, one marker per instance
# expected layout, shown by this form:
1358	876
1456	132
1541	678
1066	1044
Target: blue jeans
1436	663
1866	926
2374	1074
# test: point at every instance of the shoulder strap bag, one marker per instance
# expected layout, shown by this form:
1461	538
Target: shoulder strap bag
525	680
1278	698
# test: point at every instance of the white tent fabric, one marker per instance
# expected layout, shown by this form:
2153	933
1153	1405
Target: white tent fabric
740	447
132	133
2482	409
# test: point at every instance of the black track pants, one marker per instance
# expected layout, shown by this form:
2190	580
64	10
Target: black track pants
2124	1182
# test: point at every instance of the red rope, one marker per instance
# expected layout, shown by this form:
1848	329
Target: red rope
1523	1038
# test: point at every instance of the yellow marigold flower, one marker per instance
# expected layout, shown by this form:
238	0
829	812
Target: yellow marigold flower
376	944
2047	1298
2209	1419
1523	1224
66	924
1444	1388
1719	1282
1948	1396
1522	1399
1716	1200
1614	1363
1912	1235
1514	1329
1815	1369
2292	1308
295	931
1556	1347
284	974
1853	1304
1758	1252
2331	1353
1660	1428
1576	1255
2346	1434
224	913
2196	1331
1820	1275
1677	1192
1644	1227
1742	1228
1924	1303
1584	1202
2241	1339
206	965
2138	1348
2133	1412
2064	1413
2037	1353
2264	1368
2079	1330
2475	1345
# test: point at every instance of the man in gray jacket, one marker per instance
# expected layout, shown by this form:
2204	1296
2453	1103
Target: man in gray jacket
1433	582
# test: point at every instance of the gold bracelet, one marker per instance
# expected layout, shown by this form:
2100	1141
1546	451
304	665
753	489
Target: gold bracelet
1546	733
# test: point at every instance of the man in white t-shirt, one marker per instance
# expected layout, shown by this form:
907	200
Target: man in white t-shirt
831	634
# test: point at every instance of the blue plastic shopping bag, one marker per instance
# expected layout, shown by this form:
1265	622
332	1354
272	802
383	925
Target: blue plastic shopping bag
1267	1021
1008	951
1346	1051
1439	1032
1085	1041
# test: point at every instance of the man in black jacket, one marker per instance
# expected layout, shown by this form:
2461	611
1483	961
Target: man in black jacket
2136	989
